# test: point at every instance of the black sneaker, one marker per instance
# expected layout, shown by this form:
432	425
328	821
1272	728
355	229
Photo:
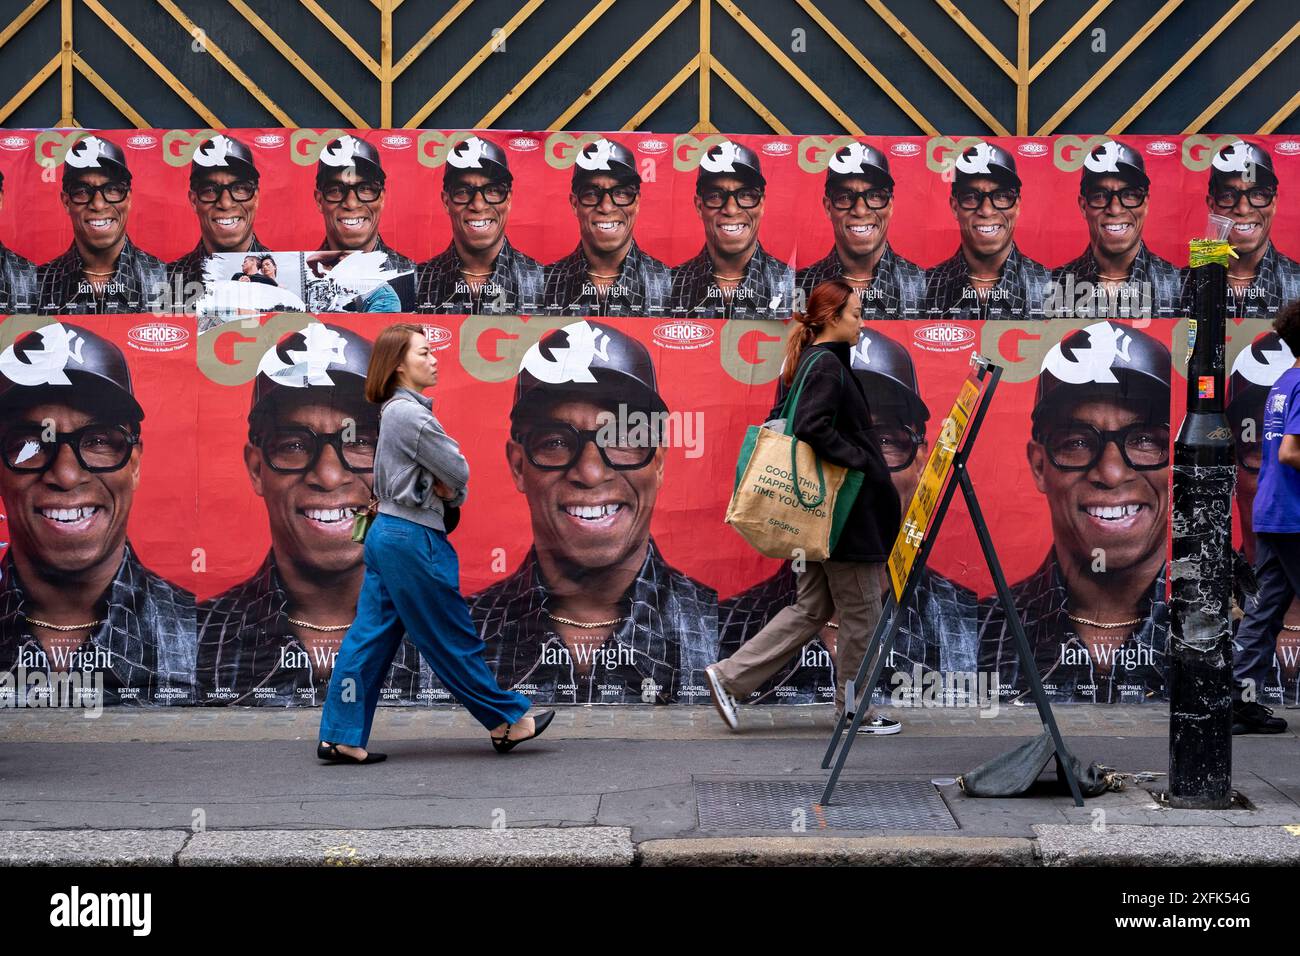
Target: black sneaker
1255	718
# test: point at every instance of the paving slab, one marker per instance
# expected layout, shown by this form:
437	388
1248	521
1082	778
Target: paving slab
91	847
1168	846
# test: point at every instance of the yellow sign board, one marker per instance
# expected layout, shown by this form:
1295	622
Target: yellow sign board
916	523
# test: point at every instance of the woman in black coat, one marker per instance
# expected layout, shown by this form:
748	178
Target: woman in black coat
833	417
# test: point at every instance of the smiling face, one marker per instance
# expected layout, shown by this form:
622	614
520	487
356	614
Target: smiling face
98	225
1113	230
985	231
859	231
730	231
1250	225
1110	506
224	225
67	520
605	227
350	223
478	225
588	515
310	513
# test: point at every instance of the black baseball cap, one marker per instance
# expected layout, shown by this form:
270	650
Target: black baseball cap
859	160
98	155
1114	158
1254	371
584	360
605	157
70	364
346	152
888	375
477	155
986	159
1239	156
730	158
1105	359
223	152
318	356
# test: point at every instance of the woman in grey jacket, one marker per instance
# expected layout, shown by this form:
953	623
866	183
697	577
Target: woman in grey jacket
412	581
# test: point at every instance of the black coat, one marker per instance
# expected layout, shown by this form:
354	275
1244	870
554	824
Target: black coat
834	418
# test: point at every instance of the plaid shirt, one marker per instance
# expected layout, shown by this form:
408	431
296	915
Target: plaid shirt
895	292
938	632
394	261
1018	294
516	283
1277	283
766	290
668	636
17	283
643	287
249	654
144	648
190	267
1062	656
1148	271
138	284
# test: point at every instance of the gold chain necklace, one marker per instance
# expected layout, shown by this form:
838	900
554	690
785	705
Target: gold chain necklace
601	275
474	275
62	627
583	624
1105	627
718	275
320	627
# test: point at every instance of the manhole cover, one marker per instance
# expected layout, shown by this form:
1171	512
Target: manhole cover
789	805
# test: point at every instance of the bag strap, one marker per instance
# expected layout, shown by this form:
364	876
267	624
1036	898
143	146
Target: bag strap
787	412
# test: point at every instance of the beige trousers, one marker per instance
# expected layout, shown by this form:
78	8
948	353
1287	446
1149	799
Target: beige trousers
851	587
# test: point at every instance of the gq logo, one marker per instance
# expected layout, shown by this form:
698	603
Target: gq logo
690	152
251	350
180	147
1200	152
434	146
1072	153
53	145
563	150
306	145
943	152
816	153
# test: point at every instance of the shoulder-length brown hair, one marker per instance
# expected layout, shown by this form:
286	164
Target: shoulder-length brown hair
385	355
824	306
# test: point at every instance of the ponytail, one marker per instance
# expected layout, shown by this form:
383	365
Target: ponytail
824	308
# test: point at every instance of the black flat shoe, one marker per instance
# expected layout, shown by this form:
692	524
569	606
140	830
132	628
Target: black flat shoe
540	723
330	753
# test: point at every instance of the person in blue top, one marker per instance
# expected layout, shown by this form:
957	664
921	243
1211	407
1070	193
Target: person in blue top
1276	518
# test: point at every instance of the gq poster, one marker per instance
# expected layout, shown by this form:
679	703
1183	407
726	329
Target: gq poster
185	438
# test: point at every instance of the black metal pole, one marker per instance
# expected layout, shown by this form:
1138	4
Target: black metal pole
1200	643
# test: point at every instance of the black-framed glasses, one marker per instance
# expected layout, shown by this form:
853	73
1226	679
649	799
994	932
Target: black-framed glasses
240	191
591	195
99	448
747	197
294	449
83	194
1130	197
1000	198
556	446
1078	447
1226	197
848	198
366	191
898	444
493	193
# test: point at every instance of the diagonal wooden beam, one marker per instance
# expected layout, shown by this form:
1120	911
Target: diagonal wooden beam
229	65
667	90
617	67
299	64
110	94
151	61
981	41
1237	85
1287	108
18	22
1176	70
1015	8
750	99
1111	66
818	95
332	25
1068	37
43	74
544	63
65	61
422	44
485	51
868	67
939	69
